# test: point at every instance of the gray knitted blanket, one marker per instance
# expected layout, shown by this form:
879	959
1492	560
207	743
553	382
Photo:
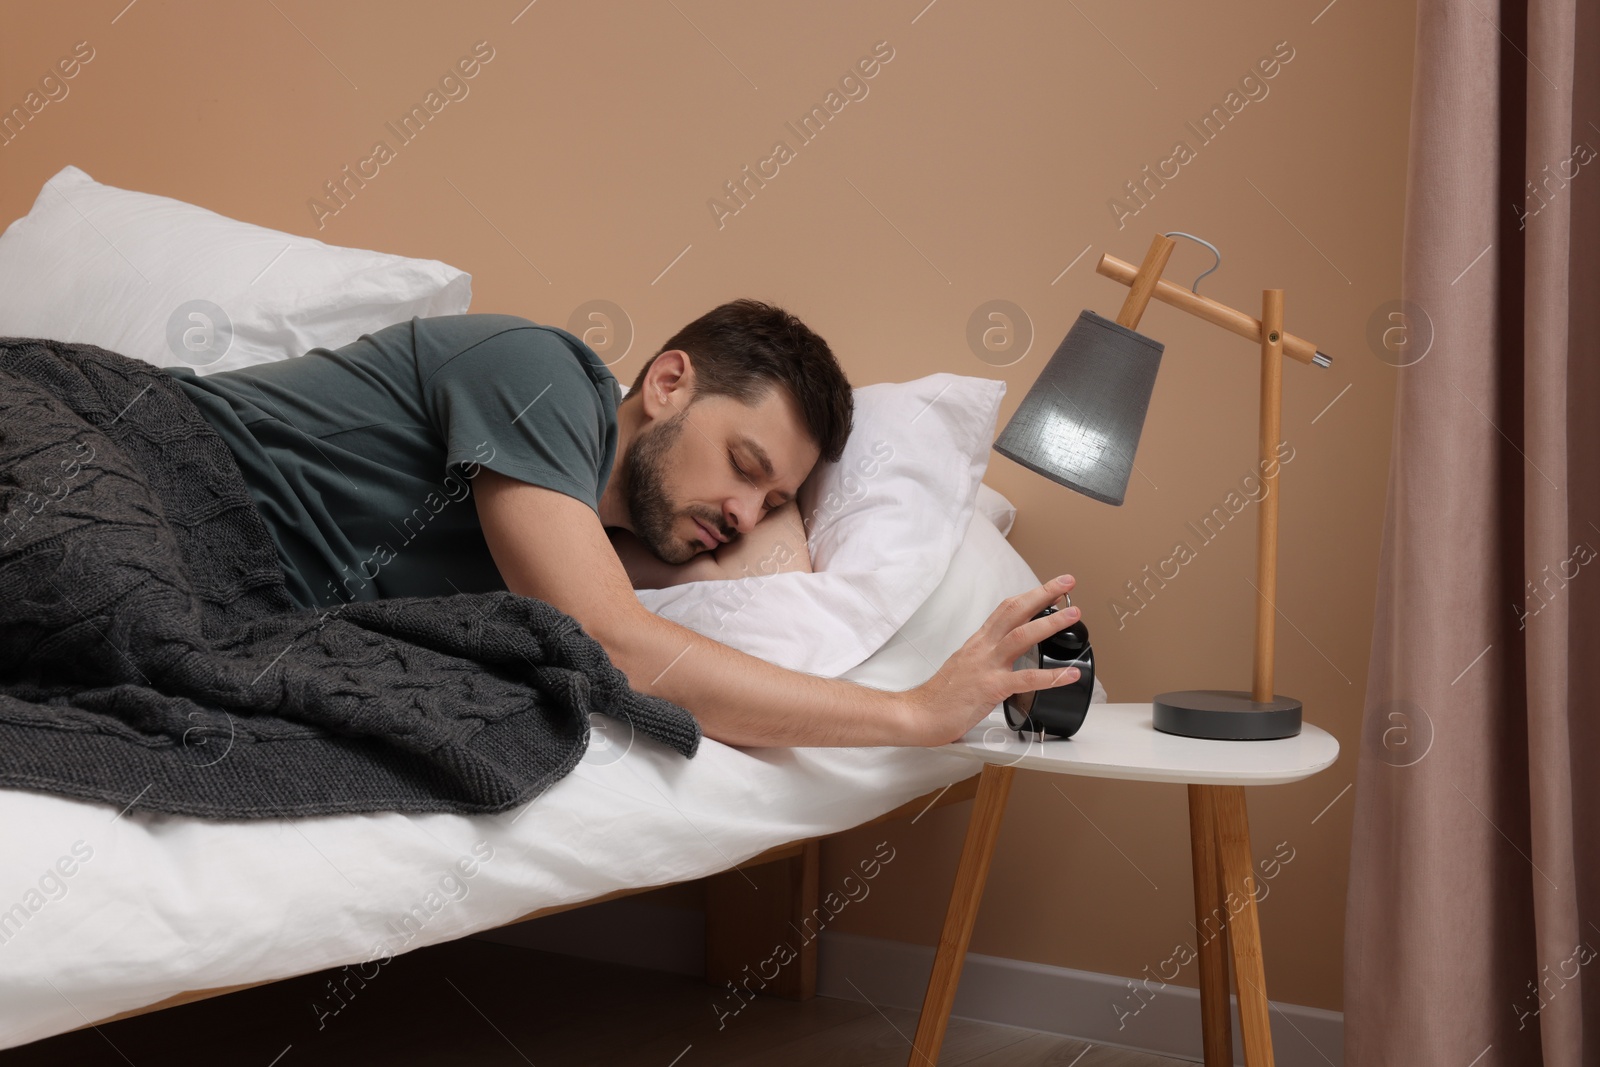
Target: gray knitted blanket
150	657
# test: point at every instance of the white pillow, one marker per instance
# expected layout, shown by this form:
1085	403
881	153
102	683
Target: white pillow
997	509
882	523
176	285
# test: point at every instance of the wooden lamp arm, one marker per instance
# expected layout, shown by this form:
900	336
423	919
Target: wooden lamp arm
1246	326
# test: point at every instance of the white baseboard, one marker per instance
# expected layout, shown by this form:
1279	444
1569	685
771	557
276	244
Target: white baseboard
1099	1008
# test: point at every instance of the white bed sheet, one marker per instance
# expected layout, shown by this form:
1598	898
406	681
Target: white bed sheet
164	904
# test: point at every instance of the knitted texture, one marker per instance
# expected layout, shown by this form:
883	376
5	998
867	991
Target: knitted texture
151	657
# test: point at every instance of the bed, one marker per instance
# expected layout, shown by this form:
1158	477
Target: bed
107	910
157	906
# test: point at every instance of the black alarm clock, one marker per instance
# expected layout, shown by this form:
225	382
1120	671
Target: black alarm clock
1059	710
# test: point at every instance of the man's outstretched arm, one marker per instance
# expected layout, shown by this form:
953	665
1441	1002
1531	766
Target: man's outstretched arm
552	546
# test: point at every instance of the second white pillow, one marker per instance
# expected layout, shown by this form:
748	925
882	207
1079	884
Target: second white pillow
997	508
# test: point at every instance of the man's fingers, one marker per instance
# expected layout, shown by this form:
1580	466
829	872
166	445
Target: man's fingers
1032	632
1034	679
1016	610
1041	597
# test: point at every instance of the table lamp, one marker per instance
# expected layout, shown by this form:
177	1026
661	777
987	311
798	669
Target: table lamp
1079	425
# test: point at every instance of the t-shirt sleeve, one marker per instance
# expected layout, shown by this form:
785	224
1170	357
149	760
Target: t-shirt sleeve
521	404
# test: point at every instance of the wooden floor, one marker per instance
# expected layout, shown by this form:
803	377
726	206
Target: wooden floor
480	1004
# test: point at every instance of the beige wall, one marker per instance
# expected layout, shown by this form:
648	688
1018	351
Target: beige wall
977	167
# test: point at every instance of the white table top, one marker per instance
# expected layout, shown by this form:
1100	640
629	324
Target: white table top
1118	741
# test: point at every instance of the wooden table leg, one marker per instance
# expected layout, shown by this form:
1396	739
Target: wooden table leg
1244	934
1210	920
982	830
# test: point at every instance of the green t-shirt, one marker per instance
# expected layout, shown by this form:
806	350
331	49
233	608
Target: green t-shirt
361	458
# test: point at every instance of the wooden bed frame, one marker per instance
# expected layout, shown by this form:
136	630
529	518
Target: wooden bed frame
740	925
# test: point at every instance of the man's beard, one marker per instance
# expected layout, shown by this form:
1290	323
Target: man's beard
649	507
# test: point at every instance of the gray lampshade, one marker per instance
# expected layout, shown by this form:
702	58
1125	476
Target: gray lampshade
1080	423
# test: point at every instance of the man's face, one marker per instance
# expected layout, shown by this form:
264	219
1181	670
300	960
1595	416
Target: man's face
704	465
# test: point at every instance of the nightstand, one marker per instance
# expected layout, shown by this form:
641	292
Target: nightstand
1118	741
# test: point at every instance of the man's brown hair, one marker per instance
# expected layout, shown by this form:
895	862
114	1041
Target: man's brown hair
742	349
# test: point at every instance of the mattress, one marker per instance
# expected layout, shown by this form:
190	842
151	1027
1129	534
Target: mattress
103	911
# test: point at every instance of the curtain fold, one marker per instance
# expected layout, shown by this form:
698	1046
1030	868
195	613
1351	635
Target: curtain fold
1472	933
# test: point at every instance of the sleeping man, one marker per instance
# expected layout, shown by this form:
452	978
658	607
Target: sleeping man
471	453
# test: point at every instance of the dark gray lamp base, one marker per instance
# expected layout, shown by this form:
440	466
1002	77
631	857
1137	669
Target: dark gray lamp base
1226	715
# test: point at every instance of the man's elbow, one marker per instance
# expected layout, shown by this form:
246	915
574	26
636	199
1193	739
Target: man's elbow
630	636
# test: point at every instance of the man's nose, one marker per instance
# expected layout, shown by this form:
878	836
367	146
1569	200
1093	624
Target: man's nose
740	516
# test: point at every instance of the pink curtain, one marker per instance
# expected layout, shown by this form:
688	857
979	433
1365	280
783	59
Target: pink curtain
1473	923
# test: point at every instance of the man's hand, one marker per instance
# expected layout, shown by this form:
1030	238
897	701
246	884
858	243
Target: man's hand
979	675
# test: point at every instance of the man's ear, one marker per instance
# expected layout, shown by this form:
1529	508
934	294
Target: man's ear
669	384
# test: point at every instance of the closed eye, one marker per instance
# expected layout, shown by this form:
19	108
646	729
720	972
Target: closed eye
765	507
